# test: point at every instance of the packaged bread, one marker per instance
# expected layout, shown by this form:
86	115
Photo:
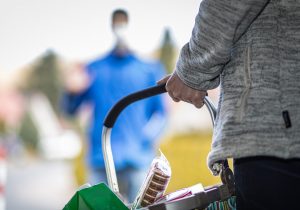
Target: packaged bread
155	184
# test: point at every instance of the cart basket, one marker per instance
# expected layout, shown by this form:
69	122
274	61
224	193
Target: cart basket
210	198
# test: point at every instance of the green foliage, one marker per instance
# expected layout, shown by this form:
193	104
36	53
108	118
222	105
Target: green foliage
167	52
28	132
2	127
45	78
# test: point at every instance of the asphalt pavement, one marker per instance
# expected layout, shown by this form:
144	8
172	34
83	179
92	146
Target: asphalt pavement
39	184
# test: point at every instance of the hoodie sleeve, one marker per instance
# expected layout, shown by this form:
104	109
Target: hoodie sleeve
218	25
71	102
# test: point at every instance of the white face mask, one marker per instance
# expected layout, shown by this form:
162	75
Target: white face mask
121	33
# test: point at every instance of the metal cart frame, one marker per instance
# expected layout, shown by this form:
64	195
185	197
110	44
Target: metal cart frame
198	201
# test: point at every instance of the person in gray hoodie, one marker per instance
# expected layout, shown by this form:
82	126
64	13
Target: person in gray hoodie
251	49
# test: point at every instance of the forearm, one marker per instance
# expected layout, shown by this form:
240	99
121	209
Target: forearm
218	25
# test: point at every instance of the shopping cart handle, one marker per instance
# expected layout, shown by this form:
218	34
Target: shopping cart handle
146	93
124	102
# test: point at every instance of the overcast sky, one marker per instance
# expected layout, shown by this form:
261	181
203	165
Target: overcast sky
80	29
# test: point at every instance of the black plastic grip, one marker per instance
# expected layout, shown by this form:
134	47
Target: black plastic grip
114	112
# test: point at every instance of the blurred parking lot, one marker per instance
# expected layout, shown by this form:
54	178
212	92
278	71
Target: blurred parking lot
35	184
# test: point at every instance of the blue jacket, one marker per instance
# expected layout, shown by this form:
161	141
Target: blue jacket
138	126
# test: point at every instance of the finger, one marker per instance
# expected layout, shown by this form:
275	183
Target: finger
173	97
176	99
172	88
198	105
163	80
187	100
189	95
198	101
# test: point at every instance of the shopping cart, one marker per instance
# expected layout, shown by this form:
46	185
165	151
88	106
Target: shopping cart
201	200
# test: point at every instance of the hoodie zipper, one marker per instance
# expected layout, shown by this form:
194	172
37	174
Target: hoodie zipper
242	102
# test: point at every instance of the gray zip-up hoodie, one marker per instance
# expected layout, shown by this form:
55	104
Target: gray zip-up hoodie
252	49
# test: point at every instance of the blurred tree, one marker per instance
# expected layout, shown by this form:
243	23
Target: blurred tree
29	133
2	127
168	51
45	78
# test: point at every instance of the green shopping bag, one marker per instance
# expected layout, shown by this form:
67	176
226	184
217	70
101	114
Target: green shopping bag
97	197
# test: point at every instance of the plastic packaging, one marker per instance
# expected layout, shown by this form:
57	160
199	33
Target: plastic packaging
155	184
182	193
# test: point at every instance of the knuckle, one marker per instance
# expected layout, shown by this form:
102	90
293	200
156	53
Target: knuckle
199	94
176	94
168	89
175	99
197	105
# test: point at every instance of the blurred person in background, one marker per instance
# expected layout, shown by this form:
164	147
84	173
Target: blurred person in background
102	83
252	49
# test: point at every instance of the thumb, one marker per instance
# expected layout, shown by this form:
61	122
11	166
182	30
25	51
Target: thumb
163	80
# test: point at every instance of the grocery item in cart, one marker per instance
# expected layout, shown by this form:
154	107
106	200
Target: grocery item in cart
155	184
179	194
98	196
